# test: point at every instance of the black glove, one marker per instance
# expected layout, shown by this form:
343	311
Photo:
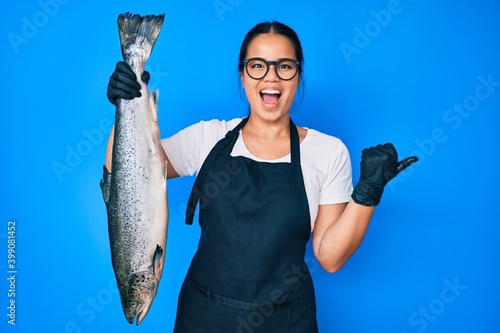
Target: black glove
123	83
378	166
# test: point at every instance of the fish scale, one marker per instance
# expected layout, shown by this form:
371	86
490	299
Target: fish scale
135	190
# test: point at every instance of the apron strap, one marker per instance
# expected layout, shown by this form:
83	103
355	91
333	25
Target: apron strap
294	144
226	144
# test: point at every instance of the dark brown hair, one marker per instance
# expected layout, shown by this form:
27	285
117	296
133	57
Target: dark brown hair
276	28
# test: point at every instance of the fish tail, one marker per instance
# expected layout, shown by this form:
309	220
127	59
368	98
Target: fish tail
137	30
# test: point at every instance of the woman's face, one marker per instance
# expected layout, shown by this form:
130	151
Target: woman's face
270	98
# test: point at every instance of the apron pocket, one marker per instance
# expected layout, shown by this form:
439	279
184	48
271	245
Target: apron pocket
264	317
243	317
198	314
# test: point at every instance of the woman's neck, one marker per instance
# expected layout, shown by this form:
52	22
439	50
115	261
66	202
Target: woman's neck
265	139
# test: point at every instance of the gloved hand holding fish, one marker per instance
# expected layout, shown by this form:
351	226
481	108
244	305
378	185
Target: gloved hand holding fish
135	190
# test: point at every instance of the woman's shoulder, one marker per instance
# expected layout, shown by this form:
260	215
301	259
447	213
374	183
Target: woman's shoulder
216	125
320	140
219	122
326	159
205	129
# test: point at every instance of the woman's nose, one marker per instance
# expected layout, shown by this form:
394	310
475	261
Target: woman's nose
271	75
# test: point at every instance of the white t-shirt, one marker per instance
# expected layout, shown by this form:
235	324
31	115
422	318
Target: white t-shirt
325	161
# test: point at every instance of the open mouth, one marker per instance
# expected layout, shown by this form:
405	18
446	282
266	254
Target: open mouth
270	97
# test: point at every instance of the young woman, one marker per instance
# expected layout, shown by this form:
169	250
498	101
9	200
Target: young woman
264	185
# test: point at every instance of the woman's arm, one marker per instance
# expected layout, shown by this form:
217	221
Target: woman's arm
340	228
338	232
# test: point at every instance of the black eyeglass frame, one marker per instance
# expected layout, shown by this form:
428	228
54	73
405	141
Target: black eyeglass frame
270	62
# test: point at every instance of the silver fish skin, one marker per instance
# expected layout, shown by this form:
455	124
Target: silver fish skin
135	192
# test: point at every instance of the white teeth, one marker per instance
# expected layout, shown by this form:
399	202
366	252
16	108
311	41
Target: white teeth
271	92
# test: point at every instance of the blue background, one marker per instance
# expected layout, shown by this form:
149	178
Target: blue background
429	262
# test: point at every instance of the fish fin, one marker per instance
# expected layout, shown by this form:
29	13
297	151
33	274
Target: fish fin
158	261
153	102
135	29
105	184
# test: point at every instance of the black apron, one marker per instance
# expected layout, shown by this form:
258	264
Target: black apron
249	274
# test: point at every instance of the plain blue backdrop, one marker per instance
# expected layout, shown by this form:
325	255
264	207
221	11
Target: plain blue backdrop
422	74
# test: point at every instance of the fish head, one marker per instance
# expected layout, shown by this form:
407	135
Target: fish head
137	295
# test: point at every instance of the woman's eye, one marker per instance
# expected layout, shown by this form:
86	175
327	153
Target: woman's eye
286	67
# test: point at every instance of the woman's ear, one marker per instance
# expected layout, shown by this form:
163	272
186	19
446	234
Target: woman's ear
242	80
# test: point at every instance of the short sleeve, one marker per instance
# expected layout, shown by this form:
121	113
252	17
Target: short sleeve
337	186
188	149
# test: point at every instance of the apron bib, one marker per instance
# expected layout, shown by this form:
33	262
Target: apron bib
248	274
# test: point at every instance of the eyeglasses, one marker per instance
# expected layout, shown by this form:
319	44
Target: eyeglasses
285	68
